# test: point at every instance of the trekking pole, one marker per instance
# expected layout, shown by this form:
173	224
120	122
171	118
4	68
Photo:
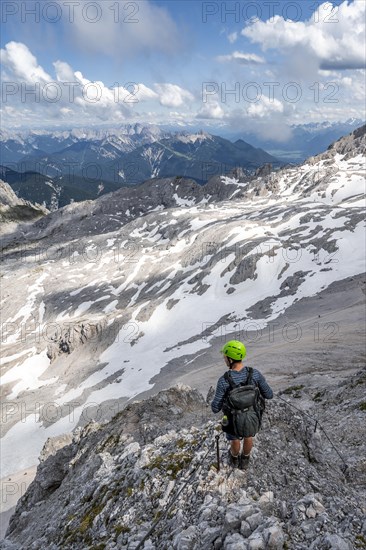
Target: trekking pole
217	437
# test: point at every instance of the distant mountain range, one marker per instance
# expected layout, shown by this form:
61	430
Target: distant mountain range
56	168
128	155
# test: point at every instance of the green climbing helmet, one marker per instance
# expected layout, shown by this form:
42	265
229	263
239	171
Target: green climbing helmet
235	350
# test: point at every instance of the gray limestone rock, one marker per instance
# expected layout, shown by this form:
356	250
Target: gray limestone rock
235	542
274	537
186	540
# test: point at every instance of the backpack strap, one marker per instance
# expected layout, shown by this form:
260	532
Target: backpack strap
249	381
229	379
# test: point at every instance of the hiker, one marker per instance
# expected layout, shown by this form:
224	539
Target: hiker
249	421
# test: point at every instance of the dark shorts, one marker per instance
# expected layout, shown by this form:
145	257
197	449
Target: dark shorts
230	437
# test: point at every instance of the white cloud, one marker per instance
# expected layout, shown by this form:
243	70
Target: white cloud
145	93
64	72
76	97
22	63
242	58
211	110
265	107
354	88
121	29
335	40
171	95
274	126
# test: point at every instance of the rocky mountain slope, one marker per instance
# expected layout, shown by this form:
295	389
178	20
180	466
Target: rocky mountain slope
54	193
14	210
149	478
105	300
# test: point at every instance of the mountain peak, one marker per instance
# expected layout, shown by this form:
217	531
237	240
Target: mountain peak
353	143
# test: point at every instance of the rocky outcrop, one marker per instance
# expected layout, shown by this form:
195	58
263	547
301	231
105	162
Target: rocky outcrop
14	210
71	337
54	458
122	486
348	144
7	195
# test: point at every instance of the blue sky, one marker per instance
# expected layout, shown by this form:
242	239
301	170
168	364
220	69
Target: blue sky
284	62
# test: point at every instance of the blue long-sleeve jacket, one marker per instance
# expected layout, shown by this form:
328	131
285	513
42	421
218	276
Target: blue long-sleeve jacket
239	376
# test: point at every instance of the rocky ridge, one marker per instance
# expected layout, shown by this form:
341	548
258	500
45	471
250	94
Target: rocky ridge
149	479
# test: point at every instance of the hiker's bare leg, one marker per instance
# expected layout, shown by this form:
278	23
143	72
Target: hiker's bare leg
235	447
247	445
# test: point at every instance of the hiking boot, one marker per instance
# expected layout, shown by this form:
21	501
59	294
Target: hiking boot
233	460
244	462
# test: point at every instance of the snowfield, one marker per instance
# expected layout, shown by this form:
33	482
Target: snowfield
102	318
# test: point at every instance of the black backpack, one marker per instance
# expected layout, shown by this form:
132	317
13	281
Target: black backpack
244	407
